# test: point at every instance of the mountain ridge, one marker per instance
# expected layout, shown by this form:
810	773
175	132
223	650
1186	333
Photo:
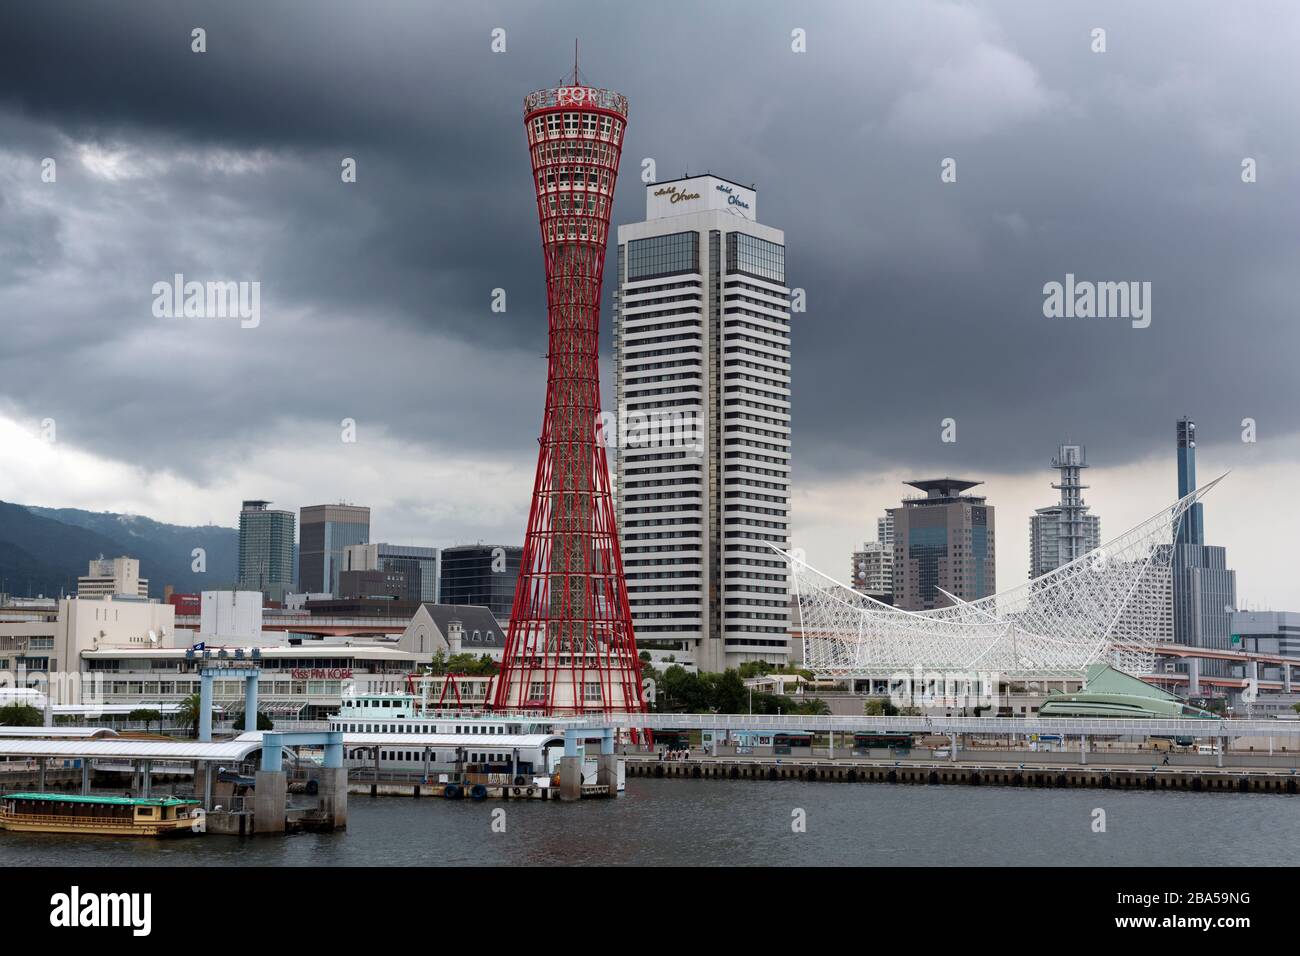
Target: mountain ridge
44	550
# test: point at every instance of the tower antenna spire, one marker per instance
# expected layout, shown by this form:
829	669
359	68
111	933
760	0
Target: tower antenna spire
575	61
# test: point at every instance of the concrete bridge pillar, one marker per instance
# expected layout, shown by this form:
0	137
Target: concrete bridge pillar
570	778
334	796
607	772
269	801
203	783
1194	676
606	763
1083	749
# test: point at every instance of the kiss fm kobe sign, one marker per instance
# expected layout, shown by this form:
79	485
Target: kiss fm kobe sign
698	194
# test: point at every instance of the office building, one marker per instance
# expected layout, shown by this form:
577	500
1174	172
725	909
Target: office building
1268	632
1192	529
885	530
326	530
943	541
702	382
373	584
266	542
872	572
113	577
419	568
480	574
1204	588
1064	531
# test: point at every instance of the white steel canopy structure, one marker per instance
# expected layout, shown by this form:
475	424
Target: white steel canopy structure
1109	604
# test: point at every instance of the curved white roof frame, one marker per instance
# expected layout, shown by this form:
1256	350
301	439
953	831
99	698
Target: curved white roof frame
1111	603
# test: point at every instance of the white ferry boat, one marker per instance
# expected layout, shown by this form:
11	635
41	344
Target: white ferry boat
396	733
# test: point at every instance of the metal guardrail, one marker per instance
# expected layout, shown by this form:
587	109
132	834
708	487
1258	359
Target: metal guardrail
71	822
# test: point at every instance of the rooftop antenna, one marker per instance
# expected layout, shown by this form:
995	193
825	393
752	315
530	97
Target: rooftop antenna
575	62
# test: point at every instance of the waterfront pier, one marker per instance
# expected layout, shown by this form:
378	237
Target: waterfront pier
74	758
1025	773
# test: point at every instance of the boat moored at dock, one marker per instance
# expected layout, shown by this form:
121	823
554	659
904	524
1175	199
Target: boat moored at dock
401	734
100	815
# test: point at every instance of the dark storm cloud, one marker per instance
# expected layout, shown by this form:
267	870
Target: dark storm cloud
925	299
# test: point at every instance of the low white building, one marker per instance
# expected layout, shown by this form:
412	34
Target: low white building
119	652
452	629
300	681
47	651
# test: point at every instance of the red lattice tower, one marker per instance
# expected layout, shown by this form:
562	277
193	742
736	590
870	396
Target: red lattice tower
570	648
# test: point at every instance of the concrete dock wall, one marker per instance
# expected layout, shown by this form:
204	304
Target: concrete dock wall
1246	780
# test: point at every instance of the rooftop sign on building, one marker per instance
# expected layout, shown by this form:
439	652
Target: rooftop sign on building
697	194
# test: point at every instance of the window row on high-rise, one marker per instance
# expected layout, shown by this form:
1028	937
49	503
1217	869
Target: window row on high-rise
756	257
664	255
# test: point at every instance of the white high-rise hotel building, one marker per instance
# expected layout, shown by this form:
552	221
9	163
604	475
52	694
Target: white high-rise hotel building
702	333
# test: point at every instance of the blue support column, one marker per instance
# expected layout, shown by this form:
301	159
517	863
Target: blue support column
334	749
226	670
250	702
205	706
274	742
272	761
607	740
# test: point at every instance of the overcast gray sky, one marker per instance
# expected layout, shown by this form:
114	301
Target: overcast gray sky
924	298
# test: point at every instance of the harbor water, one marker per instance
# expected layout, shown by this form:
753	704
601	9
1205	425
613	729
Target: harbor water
786	823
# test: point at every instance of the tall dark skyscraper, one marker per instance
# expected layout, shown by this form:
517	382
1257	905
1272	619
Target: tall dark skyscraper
265	550
1205	590
1192	530
326	530
943	539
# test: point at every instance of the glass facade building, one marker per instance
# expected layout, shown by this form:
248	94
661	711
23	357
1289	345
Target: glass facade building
480	575
943	540
420	565
1192	529
326	530
266	550
1204	589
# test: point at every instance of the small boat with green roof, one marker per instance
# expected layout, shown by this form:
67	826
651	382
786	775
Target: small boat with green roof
101	815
